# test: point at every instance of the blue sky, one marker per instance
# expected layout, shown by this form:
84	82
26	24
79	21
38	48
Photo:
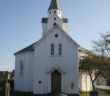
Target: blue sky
20	24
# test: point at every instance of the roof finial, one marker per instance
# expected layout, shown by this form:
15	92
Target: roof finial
54	5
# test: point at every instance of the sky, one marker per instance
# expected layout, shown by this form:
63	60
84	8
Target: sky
20	24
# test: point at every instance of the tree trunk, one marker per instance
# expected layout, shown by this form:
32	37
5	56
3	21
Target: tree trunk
93	86
92	82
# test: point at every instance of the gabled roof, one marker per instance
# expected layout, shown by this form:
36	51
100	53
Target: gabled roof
44	20
30	48
54	5
56	67
3	76
61	31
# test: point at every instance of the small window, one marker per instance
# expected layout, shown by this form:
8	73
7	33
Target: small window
54	11
54	24
56	35
50	12
52	49
40	82
21	68
54	18
60	49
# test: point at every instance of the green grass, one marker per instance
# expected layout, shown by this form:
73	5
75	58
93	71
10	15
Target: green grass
84	94
105	95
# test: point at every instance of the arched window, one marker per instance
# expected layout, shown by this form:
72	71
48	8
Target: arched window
60	49
21	68
52	49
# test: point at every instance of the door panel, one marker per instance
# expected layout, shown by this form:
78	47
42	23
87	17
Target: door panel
56	81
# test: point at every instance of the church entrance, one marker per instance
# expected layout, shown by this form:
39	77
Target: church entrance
56	81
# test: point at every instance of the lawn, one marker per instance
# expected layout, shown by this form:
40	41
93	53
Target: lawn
105	95
87	94
84	94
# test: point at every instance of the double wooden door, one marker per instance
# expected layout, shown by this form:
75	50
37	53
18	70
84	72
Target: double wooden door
56	81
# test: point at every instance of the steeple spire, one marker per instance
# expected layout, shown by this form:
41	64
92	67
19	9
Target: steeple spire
54	5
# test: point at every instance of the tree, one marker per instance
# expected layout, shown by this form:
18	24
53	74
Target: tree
102	47
88	65
101	67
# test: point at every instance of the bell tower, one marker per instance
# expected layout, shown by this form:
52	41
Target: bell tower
55	8
54	18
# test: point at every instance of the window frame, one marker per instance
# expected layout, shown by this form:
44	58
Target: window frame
60	49
52	49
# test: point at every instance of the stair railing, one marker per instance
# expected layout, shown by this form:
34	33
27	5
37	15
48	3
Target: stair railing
46	90
66	91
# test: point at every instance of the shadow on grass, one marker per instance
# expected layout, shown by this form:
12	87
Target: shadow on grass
16	93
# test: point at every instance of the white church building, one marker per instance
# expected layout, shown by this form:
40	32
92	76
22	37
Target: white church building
50	65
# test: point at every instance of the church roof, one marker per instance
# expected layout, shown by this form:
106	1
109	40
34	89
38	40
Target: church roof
54	5
83	50
44	20
61	31
29	48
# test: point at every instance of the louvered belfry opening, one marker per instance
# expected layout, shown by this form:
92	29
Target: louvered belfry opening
56	82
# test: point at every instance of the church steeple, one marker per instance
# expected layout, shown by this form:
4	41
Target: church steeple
55	5
55	9
54	18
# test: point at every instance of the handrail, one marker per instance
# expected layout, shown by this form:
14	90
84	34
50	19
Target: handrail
66	91
46	90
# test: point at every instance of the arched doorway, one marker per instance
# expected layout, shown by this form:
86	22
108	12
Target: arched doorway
56	81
